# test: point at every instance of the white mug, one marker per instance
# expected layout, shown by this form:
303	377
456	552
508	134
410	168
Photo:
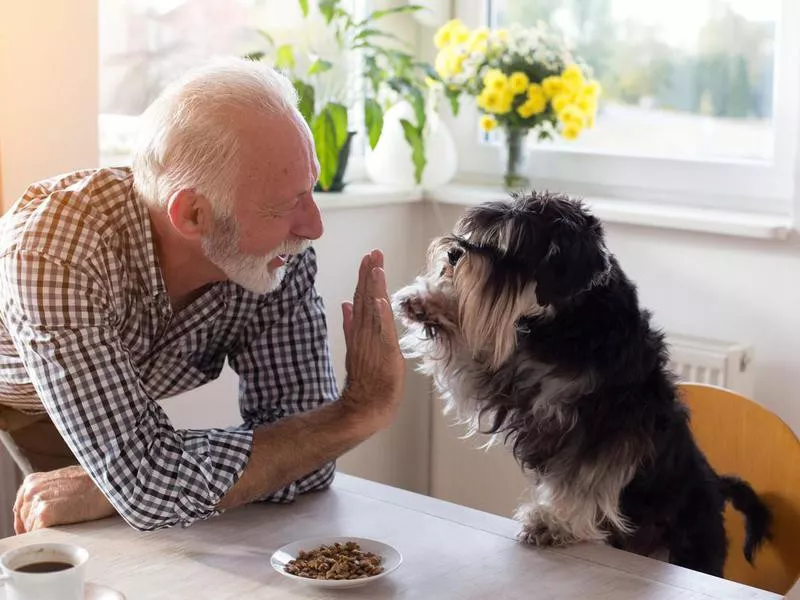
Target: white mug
22	582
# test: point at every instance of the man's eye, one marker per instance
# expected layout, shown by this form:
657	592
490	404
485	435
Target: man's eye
453	255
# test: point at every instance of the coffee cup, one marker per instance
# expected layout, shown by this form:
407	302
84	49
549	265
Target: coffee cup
49	571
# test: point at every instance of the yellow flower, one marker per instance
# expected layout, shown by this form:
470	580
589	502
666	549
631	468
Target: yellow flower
536	104
478	40
494	101
561	101
502	35
448	63
573	75
592	89
441	63
488	122
586	104
506	102
536	90
452	32
488	100
456	63
495	78
553	86
518	82
525	110
536	93
571	131
572	115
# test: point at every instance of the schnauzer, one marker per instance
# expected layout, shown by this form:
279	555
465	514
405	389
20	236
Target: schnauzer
534	334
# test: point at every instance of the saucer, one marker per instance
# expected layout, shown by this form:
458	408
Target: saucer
92	591
391	560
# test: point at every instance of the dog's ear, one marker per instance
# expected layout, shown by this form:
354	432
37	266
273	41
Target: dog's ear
576	259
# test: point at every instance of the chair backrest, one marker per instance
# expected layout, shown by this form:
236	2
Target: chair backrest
741	437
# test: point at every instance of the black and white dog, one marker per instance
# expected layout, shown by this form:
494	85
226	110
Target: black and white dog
534	334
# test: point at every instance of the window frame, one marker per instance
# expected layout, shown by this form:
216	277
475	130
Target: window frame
738	185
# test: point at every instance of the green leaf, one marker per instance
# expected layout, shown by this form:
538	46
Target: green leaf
254	56
428	70
373	119
366	34
323	131
285	57
408	90
304	7
374	73
379	14
453	96
319	66
328	9
305	103
418	103
266	36
414	138
338	114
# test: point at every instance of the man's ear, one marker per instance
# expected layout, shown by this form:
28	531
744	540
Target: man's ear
576	260
190	214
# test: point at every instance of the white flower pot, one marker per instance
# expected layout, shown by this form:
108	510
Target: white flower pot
390	162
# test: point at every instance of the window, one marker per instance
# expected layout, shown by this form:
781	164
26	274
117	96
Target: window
144	44
699	98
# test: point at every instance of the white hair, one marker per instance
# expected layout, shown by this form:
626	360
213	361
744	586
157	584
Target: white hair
186	139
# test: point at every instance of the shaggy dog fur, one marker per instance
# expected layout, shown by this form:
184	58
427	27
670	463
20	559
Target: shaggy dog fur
534	334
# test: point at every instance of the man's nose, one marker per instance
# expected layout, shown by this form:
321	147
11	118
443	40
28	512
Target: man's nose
309	221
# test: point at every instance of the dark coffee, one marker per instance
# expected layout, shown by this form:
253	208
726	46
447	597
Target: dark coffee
45	567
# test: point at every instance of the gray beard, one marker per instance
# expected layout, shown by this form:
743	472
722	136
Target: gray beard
247	270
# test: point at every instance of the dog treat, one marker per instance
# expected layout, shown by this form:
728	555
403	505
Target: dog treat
335	561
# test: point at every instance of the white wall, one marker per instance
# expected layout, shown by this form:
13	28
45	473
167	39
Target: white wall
48	90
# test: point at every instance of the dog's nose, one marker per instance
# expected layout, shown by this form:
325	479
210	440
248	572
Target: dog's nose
453	254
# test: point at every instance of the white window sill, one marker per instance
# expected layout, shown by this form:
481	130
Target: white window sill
642	214
365	194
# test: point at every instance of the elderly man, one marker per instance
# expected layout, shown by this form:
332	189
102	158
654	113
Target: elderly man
119	287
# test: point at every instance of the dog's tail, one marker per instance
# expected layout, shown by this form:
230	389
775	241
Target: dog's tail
758	518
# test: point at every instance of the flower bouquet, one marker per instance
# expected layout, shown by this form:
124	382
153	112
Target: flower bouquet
523	79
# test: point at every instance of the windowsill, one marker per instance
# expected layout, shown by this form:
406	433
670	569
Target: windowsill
645	214
640	214
363	194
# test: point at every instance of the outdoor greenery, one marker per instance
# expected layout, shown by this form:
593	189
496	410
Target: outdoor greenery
728	74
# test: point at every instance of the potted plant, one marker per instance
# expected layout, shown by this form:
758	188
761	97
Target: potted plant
329	86
523	80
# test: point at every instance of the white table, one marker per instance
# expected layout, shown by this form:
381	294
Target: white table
449	552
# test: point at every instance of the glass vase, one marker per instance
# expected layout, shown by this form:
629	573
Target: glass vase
514	156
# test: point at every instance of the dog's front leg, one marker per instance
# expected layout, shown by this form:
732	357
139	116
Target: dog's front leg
541	528
558	521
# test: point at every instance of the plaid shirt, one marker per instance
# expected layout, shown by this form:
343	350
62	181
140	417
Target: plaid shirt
87	334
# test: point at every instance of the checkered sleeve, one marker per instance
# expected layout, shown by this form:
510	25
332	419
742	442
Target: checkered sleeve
283	361
64	325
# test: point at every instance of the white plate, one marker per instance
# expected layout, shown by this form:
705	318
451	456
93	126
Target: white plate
92	591
391	560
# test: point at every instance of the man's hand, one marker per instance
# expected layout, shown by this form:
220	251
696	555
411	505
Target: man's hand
58	497
374	362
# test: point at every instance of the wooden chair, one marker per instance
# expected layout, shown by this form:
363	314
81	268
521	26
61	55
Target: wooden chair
741	437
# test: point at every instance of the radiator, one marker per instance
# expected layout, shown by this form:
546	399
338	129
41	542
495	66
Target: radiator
715	362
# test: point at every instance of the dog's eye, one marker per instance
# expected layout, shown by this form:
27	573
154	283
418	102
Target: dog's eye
453	255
